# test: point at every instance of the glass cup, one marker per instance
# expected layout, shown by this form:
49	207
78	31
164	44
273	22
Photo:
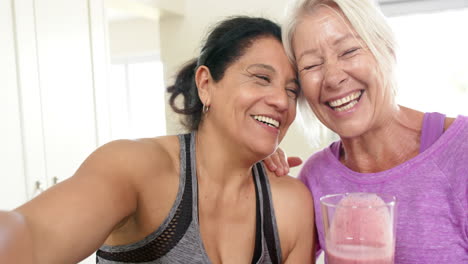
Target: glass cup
359	228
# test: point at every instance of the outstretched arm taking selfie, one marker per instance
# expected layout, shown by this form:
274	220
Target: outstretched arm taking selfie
71	220
15	239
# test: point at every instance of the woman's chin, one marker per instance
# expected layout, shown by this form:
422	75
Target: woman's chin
352	130
262	152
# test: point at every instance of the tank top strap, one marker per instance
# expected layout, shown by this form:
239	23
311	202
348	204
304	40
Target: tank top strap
432	129
268	218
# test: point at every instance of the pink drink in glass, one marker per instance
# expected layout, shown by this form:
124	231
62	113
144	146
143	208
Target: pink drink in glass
359	229
358	254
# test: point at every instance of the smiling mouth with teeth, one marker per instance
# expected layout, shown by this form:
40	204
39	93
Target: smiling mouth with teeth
345	103
267	120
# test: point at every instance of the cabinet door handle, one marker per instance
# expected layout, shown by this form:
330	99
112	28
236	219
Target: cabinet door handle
37	188
55	180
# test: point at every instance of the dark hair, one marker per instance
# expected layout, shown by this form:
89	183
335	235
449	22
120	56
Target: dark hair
224	45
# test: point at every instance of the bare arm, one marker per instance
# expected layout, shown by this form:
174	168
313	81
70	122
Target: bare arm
72	219
15	239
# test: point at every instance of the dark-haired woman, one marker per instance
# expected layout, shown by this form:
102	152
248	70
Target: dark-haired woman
202	197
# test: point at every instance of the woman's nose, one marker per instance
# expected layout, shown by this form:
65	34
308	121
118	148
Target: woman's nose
279	99
334	76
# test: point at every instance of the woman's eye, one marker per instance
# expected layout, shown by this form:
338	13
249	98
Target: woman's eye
264	79
350	51
310	67
292	93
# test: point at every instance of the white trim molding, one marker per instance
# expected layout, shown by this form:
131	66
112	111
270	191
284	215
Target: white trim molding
406	7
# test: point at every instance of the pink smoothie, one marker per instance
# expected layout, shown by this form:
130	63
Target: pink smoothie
358	254
360	232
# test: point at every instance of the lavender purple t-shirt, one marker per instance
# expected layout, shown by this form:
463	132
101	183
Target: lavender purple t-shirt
431	191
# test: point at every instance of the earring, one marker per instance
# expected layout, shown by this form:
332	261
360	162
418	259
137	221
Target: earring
205	108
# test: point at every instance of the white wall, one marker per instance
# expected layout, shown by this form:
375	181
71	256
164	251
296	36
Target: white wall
133	37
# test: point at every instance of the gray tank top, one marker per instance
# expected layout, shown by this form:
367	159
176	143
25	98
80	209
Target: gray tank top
178	239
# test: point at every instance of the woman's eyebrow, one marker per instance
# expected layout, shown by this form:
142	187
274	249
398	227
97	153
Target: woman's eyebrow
263	66
334	43
345	37
307	52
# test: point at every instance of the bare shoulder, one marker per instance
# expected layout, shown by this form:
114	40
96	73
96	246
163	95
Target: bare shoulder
291	198
135	157
293	204
143	148
290	187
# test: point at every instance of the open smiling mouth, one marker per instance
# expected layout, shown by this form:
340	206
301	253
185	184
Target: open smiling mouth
267	120
345	103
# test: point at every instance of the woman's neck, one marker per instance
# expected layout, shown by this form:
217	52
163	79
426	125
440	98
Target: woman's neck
220	163
394	141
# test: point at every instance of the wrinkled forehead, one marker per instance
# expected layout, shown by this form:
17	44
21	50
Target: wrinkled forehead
326	16
323	25
267	54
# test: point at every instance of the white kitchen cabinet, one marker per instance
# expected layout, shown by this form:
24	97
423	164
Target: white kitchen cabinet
54	63
12	181
65	66
53	92
29	91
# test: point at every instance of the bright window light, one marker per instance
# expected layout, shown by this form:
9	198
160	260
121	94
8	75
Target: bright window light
137	99
433	61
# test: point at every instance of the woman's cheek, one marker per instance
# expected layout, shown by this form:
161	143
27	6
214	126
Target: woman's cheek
311	87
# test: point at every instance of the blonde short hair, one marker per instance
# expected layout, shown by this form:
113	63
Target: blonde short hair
369	23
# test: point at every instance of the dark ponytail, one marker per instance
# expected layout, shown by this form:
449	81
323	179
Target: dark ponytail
185	85
224	45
